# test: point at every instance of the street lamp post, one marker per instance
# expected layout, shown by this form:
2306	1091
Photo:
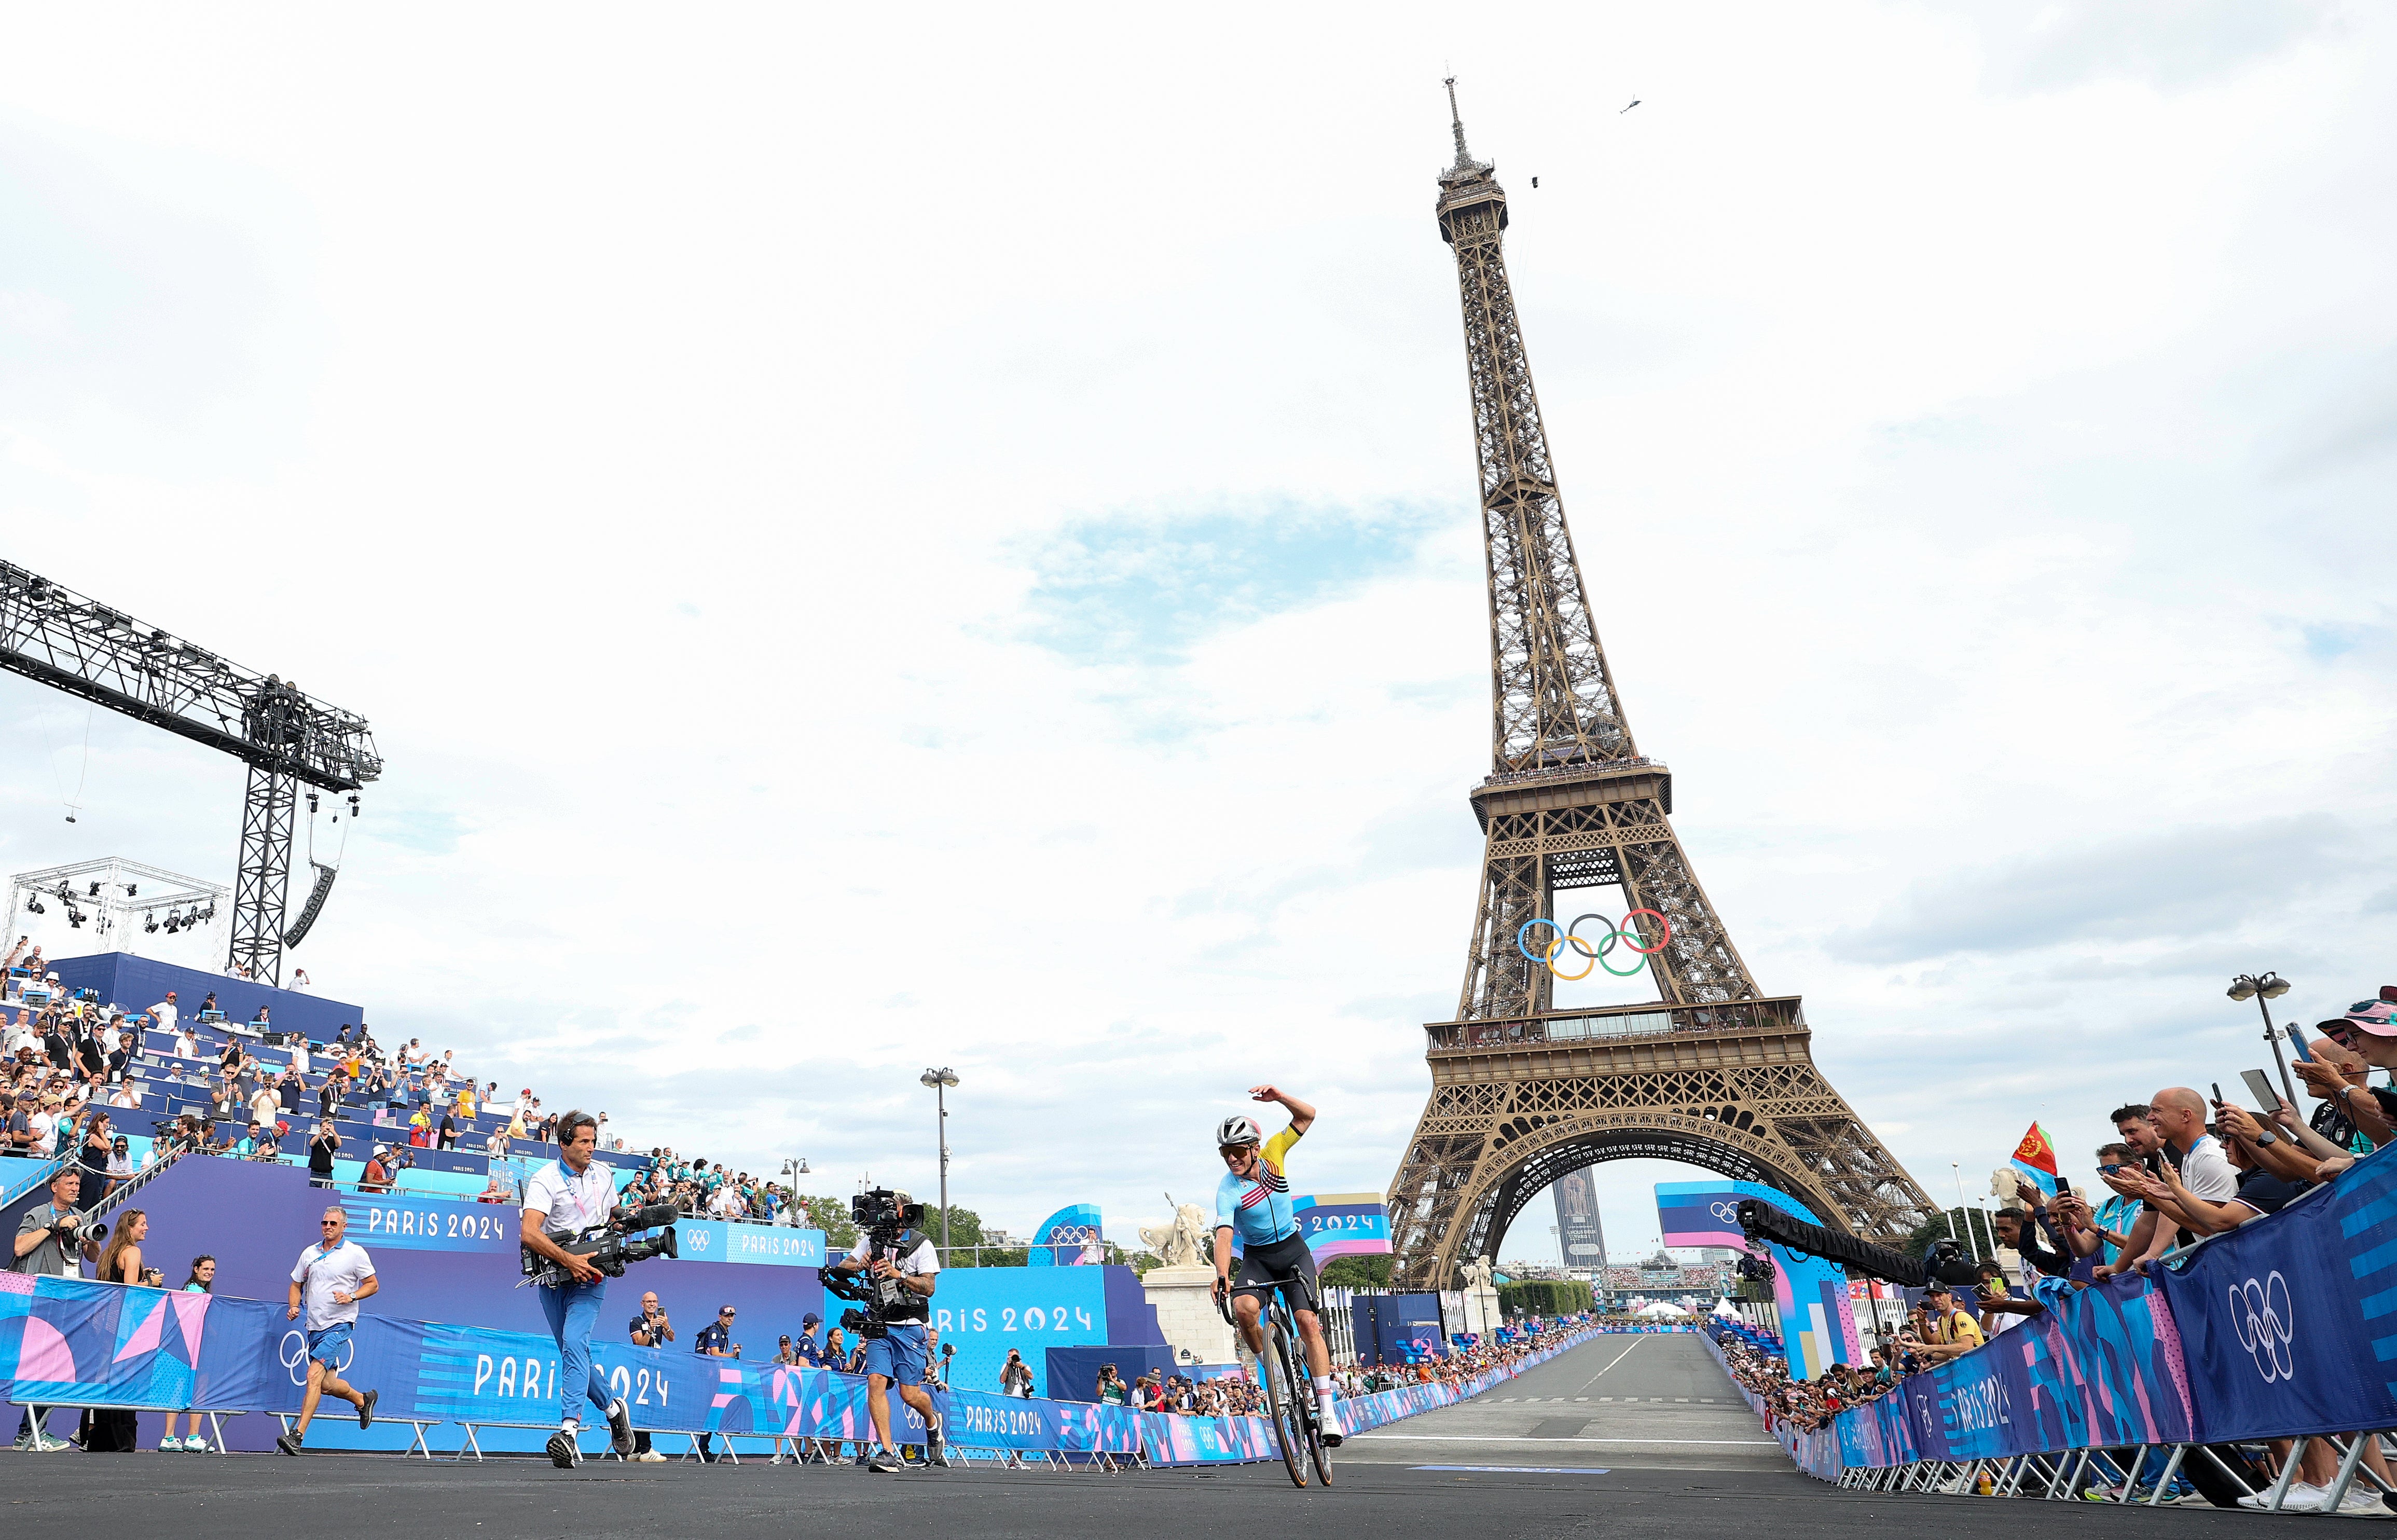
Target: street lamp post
939	1081
2270	986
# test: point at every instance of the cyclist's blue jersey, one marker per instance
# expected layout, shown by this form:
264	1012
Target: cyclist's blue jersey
1258	1209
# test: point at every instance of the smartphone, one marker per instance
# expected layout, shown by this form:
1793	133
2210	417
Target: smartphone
2216	1087
2261	1088
2063	1188
2297	1041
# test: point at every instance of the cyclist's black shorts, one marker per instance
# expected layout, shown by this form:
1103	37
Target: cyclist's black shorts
1279	1259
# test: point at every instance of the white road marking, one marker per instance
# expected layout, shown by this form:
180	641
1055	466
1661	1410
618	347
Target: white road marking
1613	1361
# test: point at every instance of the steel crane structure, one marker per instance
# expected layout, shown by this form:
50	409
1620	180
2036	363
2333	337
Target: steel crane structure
52	633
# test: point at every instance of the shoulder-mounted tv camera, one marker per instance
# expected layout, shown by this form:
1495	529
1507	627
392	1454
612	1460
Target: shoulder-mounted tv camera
611	1247
888	1220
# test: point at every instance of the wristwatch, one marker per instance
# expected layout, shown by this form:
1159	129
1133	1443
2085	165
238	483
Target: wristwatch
2266	1136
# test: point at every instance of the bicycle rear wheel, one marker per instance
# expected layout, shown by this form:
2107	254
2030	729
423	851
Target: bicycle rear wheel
1282	1401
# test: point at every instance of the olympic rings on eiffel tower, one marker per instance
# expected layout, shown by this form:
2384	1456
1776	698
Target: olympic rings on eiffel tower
1594	950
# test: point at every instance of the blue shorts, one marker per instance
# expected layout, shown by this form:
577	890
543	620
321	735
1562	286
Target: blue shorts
329	1346
897	1357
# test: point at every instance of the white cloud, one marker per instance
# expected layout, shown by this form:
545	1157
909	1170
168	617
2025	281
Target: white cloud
667	435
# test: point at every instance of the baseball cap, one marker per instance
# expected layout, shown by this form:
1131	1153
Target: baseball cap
811	1319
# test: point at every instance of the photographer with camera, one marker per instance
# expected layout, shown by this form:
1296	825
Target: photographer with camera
902	1269
563	1199
50	1239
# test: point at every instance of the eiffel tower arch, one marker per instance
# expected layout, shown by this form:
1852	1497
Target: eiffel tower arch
1714	1073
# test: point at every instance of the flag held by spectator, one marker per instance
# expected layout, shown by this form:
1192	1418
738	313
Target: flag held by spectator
2035	1160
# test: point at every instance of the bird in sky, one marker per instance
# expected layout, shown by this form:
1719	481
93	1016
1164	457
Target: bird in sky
1635	102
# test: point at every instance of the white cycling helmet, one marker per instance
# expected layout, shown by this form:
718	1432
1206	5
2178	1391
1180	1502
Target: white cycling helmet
1239	1131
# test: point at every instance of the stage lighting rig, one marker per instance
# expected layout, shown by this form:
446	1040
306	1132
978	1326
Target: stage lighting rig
61	638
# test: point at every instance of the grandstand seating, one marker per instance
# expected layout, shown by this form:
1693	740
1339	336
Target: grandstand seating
462	1173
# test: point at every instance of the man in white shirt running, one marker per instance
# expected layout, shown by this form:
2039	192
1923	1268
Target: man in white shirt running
329	1279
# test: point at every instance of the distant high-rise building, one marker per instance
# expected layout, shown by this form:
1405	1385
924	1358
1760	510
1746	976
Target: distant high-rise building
1581	1238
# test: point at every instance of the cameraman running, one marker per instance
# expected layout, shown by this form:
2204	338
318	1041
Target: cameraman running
1254	1200
904	1277
570	1195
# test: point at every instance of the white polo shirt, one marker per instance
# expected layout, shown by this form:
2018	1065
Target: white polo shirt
165	1013
322	1273
572	1202
2207	1173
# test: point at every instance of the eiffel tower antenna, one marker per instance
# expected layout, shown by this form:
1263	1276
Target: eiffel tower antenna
1714	1073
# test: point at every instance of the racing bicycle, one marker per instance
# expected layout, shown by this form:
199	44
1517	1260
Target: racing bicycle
1290	1389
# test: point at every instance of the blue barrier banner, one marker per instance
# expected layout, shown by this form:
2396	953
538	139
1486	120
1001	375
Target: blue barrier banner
2101	1367
71	1342
2290	1324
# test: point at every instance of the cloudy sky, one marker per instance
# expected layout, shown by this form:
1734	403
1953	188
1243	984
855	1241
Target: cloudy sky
869	544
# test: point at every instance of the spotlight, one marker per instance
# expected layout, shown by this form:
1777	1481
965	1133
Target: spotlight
35	903
150	924
95	892
131	889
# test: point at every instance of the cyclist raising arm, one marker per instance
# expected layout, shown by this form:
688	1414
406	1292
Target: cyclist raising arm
1254	1201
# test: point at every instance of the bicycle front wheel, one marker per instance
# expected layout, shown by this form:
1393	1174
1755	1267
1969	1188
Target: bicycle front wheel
1282	1401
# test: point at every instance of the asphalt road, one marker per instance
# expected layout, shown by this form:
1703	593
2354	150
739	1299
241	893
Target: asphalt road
1652	1403
1680	1461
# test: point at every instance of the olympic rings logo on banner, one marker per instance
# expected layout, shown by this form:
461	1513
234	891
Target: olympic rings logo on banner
1594	950
1724	1210
293	1351
2266	1324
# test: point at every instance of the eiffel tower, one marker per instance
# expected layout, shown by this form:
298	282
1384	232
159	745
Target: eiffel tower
1715	1073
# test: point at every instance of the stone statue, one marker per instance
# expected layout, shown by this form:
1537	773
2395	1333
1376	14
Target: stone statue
2005	1185
1184	1242
1479	1274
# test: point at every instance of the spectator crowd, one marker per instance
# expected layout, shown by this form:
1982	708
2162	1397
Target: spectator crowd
2179	1167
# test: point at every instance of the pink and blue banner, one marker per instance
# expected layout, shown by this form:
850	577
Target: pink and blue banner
1810	1293
1344	1224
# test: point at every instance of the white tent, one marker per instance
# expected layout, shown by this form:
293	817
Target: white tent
1662	1311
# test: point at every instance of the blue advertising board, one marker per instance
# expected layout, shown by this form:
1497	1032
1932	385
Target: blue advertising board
984	1311
769	1245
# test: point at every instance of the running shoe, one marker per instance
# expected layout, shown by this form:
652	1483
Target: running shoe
562	1452
2360	1502
171	1446
935	1449
366	1408
882	1459
2302	1497
620	1423
286	1443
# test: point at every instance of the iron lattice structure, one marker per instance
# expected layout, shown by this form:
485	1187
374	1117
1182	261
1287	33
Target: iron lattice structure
51	634
1717	1074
